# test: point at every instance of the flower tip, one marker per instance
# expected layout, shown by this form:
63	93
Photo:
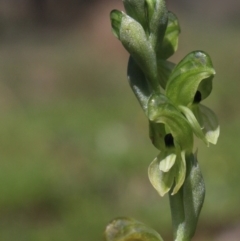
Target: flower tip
175	190
162	193
213	135
116	19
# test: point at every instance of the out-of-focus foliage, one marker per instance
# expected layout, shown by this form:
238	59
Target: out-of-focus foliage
73	152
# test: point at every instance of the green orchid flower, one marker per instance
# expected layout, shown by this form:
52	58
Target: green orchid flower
189	83
173	136
169	131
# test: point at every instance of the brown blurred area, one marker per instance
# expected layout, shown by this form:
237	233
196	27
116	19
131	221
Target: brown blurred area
91	18
63	12
82	13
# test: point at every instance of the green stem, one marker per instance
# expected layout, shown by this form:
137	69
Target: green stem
186	205
178	216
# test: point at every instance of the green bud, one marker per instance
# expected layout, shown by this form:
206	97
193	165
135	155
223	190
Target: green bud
116	20
135	41
152	15
150	6
170	40
127	229
157	21
136	10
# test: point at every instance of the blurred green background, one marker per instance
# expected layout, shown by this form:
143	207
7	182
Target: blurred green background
74	147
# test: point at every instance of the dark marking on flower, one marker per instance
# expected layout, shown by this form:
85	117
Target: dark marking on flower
169	141
197	97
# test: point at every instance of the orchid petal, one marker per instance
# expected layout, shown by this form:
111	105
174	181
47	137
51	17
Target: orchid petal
161	181
166	160
180	172
193	123
211	126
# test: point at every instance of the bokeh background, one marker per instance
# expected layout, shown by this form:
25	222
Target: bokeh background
74	147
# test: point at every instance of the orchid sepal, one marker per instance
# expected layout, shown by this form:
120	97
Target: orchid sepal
210	124
193	73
